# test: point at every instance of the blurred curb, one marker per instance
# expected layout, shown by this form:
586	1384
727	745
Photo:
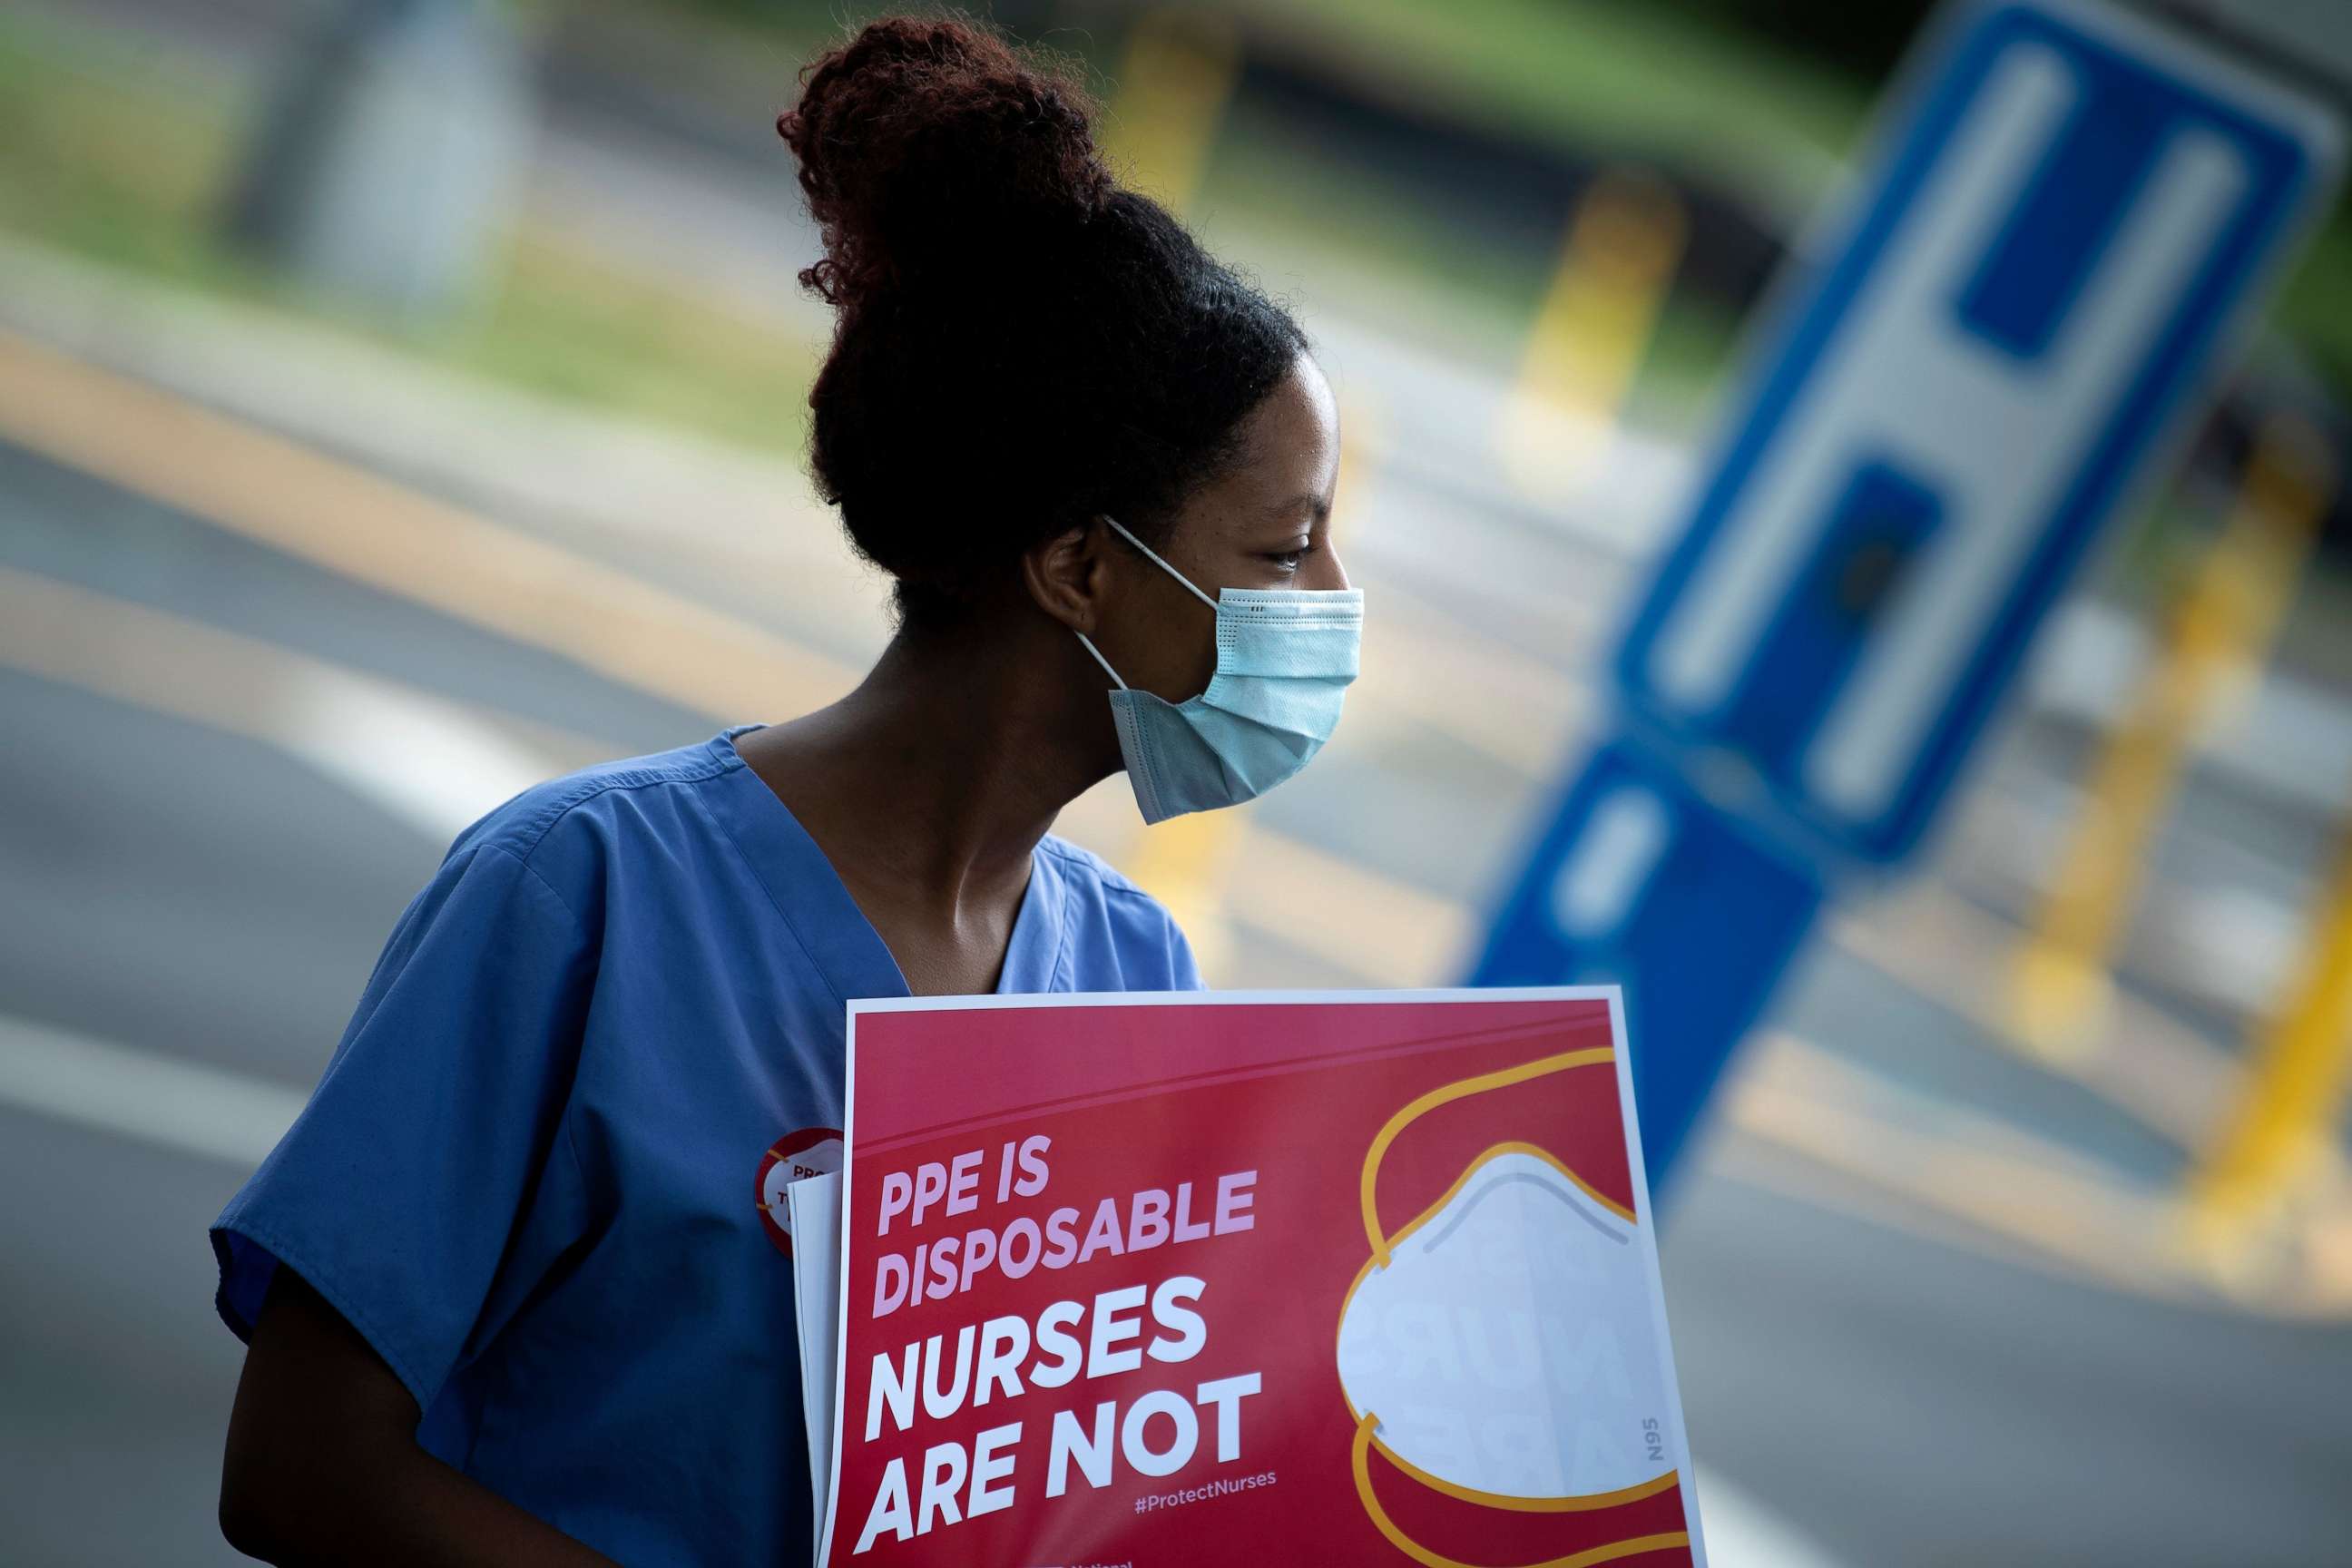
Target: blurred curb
469	436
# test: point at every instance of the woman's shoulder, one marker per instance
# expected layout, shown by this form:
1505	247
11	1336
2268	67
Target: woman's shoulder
1085	871
564	826
1139	941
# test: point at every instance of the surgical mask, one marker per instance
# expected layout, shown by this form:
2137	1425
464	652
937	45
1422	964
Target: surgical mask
1285	657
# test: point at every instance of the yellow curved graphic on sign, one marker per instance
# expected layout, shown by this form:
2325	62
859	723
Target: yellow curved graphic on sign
1365	1436
1445	1094
1609	1552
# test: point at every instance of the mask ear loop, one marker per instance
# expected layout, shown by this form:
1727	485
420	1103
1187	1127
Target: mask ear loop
1154	557
1098	658
1189	587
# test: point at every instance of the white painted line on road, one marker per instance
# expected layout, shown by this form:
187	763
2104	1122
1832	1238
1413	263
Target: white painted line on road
1742	1532
342	519
426	762
431	763
750	514
160	1100
436	765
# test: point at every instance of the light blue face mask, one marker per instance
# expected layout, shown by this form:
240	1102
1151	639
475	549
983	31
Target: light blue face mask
1285	657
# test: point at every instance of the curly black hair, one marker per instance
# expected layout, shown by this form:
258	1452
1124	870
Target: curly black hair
1019	343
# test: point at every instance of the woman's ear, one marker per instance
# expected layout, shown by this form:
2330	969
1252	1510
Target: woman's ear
1065	575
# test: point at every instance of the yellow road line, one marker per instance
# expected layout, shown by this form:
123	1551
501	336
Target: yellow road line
1937	945
1423	664
1977	1182
1996	1189
320	509
345	519
1385	930
1186	861
776	532
311	505
1326	906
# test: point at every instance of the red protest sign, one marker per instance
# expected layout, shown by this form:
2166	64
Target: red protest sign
1232	1279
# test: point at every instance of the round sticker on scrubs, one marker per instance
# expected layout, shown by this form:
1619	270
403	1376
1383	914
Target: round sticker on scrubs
811	1152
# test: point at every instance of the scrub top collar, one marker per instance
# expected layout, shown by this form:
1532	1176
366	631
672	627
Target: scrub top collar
816	907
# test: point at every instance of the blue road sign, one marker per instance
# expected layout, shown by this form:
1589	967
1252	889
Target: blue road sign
1640	881
2026	297
2069	217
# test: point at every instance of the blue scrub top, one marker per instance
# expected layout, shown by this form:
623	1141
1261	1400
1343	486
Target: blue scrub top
529	1174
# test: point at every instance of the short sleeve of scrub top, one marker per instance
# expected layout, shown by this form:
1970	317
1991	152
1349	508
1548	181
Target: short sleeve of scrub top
534	1173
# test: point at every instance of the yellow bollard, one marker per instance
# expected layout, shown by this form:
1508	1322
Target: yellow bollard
2282	1131
1174	84
1592	332
2222	626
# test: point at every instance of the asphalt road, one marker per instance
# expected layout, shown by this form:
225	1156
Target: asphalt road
203	843
182	880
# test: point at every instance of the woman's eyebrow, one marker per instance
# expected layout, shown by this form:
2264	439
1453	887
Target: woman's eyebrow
1315	505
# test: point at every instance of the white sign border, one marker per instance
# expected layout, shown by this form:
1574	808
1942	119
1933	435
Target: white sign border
1612	994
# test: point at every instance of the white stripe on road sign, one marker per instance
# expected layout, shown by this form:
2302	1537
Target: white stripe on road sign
1899	333
1728	608
1947	609
1598	885
2064	227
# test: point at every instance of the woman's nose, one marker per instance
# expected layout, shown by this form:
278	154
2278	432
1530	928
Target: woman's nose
1328	570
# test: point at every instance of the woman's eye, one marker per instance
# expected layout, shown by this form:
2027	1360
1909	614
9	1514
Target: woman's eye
1289	560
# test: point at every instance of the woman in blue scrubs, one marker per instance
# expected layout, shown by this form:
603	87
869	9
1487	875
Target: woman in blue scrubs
516	1285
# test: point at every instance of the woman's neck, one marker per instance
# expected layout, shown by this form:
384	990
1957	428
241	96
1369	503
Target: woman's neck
932	781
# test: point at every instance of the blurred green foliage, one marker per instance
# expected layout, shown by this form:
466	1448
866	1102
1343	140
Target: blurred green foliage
123	155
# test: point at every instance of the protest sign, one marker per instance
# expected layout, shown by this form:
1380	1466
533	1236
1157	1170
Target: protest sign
1234	1278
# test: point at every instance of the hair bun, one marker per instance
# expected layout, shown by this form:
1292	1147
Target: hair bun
932	141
